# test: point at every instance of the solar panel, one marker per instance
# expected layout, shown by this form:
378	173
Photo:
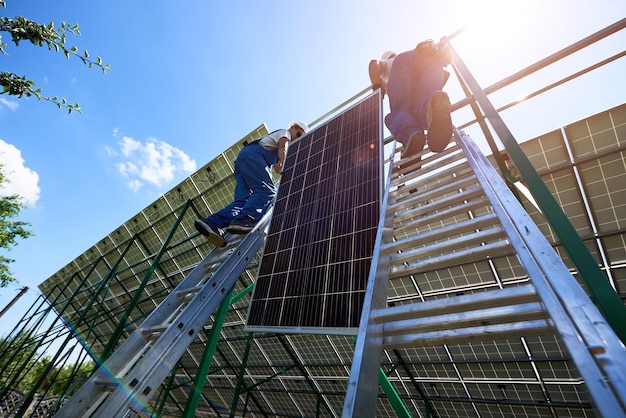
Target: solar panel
316	261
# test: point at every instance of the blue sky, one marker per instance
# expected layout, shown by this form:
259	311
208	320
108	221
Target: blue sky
189	78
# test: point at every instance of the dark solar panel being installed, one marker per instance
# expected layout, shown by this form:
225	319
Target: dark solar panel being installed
317	256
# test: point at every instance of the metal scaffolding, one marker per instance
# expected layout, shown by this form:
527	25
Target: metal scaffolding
93	304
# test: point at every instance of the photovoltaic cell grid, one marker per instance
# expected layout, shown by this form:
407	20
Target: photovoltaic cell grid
583	165
317	256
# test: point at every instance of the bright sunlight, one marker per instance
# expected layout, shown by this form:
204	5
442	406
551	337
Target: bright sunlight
490	24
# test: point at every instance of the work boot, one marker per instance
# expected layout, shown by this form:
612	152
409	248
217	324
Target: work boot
414	145
214	237
374	72
240	227
439	131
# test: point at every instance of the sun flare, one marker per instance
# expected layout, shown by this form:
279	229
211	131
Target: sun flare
490	24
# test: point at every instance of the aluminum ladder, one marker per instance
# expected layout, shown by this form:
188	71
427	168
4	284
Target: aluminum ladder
450	209
127	380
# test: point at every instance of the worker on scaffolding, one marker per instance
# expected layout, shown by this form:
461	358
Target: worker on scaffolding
255	188
420	110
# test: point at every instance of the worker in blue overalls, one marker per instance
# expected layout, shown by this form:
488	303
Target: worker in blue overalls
255	188
420	110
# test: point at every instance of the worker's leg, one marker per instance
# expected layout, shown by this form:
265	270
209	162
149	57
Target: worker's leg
222	218
401	121
432	108
430	81
253	170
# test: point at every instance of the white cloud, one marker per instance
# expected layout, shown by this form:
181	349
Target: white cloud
135	185
153	161
11	104
22	180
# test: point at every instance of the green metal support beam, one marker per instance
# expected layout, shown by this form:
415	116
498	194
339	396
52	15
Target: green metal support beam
242	371
428	407
209	352
605	297
86	308
398	406
46	372
235	369
117	333
164	394
396	403
25	341
104	284
508	177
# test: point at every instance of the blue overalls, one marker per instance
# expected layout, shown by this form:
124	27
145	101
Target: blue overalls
254	190
412	82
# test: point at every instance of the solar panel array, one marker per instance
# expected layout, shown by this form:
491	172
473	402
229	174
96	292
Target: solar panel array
125	261
317	256
273	374
583	165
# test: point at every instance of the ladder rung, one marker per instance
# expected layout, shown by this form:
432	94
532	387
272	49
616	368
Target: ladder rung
451	167
438	239
106	383
466	319
152	333
419	179
499	297
460	190
480	333
419	194
482	252
188	293
407	166
214	262
427	215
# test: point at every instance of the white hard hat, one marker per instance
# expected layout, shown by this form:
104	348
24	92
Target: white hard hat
301	124
387	55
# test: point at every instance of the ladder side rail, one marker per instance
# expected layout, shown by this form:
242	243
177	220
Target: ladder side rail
136	341
81	403
562	283
575	317
138	387
362	390
607	299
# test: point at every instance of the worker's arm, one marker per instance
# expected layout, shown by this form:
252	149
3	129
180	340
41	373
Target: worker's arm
282	152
